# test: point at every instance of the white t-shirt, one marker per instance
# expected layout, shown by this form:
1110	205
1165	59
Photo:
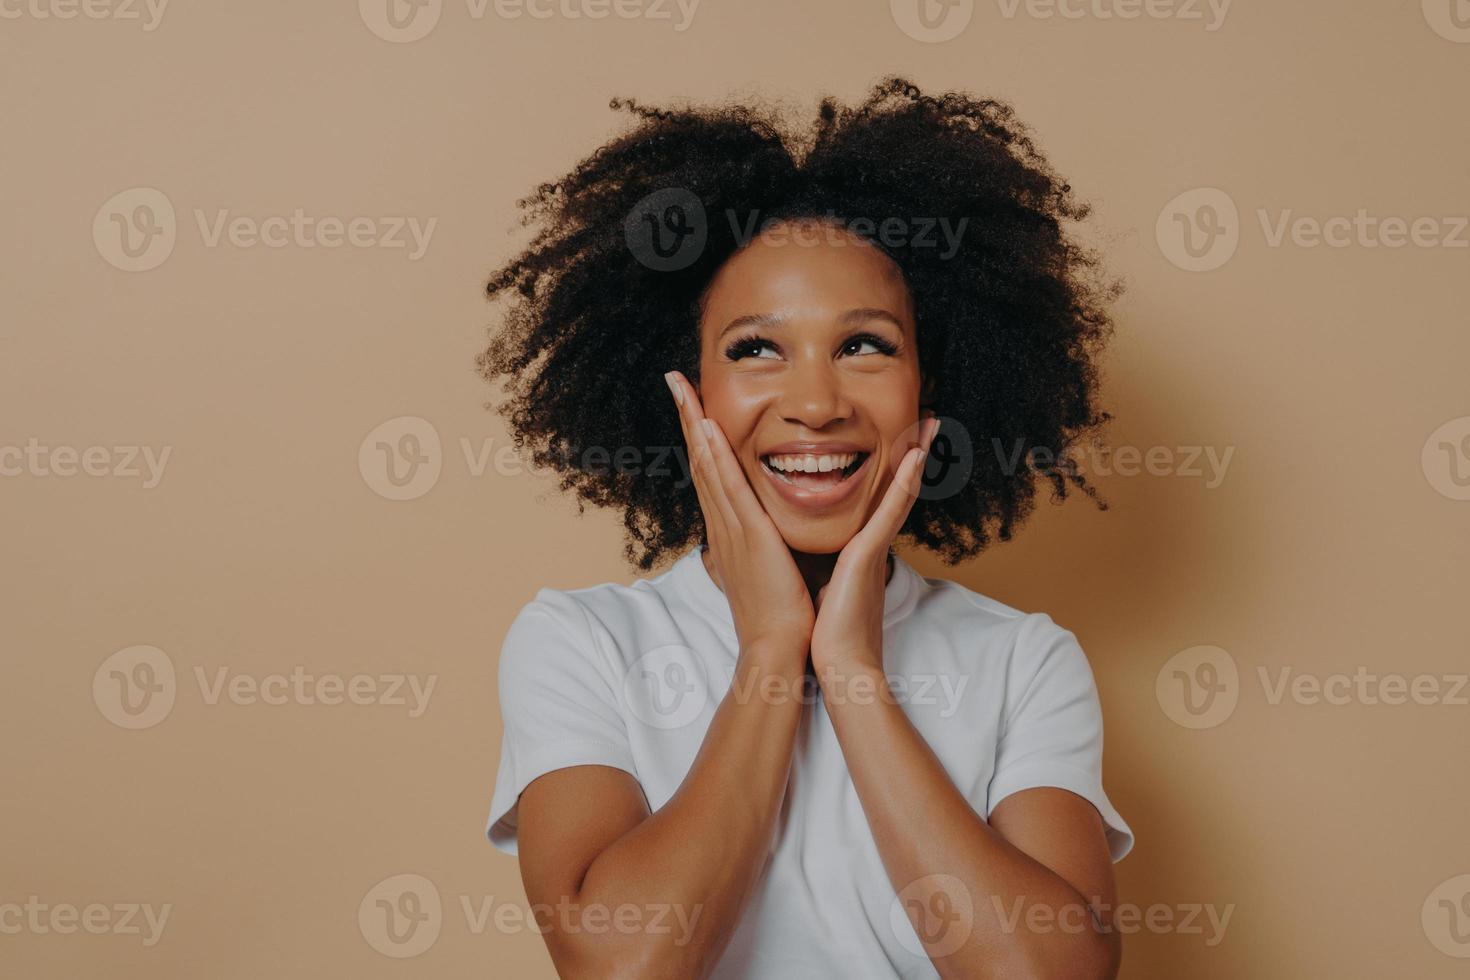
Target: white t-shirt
630	677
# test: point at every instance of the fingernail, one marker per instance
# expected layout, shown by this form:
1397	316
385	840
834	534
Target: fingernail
709	428
674	388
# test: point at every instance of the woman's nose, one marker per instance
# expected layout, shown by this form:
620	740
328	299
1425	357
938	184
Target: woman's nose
814	397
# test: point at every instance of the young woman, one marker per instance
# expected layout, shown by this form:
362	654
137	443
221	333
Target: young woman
790	755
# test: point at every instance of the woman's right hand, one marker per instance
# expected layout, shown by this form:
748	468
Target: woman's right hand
768	598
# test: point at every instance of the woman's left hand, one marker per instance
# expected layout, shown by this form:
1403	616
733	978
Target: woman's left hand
849	627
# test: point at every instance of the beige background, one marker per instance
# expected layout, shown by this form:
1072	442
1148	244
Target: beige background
1334	542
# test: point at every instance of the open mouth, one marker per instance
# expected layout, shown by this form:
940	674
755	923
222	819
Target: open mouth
813	471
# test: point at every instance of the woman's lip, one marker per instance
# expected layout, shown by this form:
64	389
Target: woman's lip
816	499
813	449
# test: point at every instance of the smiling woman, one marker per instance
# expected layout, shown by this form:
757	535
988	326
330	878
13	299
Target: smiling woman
751	738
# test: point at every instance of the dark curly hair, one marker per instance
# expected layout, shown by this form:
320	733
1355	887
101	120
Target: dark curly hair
1010	325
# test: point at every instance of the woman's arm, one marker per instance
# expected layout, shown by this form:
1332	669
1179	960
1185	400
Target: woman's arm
589	843
973	889
1010	898
587	839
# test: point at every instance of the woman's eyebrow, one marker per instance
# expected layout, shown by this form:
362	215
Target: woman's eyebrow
853	317
848	319
753	320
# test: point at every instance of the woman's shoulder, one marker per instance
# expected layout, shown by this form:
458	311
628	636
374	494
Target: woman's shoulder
971	612
609	605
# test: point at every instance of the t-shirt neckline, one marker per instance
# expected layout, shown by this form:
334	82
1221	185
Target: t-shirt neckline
694	580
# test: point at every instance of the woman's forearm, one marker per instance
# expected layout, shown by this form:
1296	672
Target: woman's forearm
924	827
703	852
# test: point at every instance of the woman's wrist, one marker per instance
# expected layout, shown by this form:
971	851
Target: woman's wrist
783	655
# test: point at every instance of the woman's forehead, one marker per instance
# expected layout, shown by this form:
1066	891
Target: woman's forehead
820	277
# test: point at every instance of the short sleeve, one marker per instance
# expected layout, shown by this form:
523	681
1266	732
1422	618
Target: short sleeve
559	702
1052	734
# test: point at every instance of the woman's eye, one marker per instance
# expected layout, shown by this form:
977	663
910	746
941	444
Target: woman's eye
867	345
751	348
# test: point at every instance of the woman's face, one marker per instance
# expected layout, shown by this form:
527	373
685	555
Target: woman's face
809	361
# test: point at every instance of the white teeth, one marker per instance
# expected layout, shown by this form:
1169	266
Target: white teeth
808	463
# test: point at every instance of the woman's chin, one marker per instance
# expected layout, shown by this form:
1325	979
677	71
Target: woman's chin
814	539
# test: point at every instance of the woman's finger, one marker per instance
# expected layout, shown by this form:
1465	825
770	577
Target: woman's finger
690	413
747	506
715	502
893	509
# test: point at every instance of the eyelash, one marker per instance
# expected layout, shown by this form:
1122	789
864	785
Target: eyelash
752	344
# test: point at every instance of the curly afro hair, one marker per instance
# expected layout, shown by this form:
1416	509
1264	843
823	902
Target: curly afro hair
1010	322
